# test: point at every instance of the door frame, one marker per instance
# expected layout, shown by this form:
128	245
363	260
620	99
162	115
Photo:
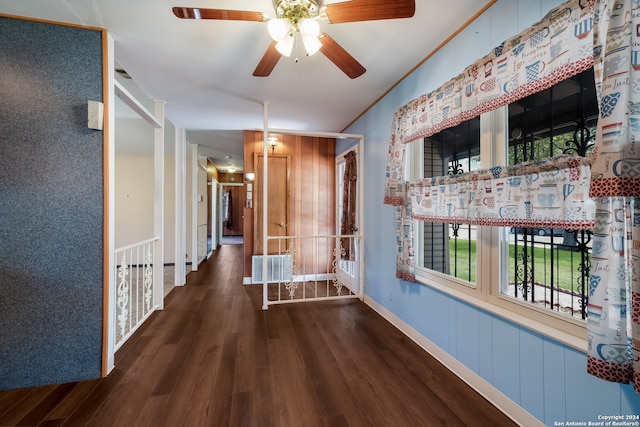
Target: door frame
220	225
352	275
215	210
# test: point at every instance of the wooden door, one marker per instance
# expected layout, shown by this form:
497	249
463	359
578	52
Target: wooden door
277	206
233	225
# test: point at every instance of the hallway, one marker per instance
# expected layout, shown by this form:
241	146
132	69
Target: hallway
214	358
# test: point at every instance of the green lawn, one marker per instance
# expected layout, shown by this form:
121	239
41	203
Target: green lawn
463	261
565	264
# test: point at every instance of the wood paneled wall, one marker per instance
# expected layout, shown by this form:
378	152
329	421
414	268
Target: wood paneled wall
235	178
311	180
212	171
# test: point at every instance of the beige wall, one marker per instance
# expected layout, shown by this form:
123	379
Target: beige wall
134	182
133	198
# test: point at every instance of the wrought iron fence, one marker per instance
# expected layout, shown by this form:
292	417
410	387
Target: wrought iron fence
134	287
308	268
550	268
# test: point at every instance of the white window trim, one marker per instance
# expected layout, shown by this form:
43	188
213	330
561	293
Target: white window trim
485	294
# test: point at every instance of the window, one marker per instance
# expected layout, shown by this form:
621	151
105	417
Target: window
451	248
539	273
549	266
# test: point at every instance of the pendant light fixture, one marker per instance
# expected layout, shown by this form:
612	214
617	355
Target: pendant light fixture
296	16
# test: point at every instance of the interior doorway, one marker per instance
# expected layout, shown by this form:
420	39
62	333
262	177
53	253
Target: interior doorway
347	217
232	203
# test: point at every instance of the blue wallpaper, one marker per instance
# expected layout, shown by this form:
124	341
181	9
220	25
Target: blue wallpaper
51	204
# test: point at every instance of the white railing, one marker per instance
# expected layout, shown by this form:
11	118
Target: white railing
134	287
310	268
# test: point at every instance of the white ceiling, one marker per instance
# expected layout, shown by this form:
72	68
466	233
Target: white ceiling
203	69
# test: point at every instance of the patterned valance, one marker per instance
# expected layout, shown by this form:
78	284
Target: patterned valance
616	158
546	193
556	48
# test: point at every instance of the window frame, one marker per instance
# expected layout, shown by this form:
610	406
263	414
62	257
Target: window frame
492	252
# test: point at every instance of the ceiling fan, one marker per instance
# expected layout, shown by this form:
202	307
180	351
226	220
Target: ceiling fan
301	17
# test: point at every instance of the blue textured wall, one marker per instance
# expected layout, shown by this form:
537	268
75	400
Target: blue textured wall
51	204
546	378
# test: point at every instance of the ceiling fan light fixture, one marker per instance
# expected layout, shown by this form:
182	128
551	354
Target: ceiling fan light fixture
279	28
296	9
285	45
309	27
311	44
303	16
309	30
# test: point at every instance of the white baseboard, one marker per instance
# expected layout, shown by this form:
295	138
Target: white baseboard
111	364
479	384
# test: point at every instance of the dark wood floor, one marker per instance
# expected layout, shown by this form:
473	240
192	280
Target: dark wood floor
214	358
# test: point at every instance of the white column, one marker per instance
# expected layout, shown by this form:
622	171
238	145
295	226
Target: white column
194	206
265	199
181	207
215	218
158	206
361	216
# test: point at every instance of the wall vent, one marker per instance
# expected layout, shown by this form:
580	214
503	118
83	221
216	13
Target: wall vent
278	268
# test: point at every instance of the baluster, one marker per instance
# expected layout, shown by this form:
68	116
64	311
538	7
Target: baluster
122	294
583	238
148	277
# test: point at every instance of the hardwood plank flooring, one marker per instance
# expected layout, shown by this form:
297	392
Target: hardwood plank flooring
213	357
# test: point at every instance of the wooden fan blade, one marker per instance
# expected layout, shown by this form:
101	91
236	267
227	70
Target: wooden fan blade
227	15
343	60
268	61
369	10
